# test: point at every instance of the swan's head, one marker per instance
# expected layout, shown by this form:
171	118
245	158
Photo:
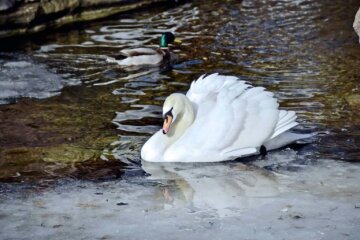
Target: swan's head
172	108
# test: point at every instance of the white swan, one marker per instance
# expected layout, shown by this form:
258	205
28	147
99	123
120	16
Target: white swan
220	118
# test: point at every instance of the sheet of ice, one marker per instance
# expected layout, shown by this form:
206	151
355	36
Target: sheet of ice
21	78
196	201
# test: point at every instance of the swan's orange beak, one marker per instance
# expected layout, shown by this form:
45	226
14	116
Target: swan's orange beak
167	124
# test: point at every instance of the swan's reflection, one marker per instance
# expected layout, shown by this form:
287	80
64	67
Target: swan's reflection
226	188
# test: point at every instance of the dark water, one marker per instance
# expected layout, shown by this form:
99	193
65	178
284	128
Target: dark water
306	52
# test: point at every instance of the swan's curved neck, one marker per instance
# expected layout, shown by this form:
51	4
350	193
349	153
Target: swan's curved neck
184	118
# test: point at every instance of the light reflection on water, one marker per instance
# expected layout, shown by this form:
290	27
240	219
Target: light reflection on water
304	51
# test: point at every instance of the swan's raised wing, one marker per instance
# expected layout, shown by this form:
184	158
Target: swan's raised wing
233	120
207	87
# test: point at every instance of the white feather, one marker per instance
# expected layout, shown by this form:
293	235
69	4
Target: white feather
128	52
141	60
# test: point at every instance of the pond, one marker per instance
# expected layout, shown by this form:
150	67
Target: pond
73	123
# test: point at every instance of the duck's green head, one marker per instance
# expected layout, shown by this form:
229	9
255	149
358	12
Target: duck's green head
166	38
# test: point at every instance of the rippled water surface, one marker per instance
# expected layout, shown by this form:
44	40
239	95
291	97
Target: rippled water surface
68	114
306	52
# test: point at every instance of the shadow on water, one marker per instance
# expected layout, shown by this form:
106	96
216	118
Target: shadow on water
99	114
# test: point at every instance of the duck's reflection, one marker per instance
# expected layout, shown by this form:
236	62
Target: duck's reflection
226	188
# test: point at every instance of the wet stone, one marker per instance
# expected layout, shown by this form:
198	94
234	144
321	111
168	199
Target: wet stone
68	154
353	100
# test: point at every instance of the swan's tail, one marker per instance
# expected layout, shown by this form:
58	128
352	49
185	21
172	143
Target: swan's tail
286	138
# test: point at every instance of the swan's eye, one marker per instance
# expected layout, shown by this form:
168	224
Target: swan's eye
167	118
167	114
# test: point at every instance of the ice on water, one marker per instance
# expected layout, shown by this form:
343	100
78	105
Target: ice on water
24	78
198	201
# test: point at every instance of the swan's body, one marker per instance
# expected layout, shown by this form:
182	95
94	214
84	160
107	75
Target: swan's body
220	118
145	55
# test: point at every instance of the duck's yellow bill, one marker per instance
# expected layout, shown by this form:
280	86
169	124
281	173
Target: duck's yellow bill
177	41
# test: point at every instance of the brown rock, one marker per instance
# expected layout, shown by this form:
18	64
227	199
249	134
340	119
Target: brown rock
19	17
22	16
55	6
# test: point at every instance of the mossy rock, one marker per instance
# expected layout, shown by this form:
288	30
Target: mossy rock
353	100
69	154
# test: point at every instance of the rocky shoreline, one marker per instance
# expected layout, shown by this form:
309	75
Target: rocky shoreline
20	17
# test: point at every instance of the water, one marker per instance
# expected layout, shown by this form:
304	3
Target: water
306	52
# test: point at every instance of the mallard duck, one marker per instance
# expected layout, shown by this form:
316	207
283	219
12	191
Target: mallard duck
147	56
220	118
